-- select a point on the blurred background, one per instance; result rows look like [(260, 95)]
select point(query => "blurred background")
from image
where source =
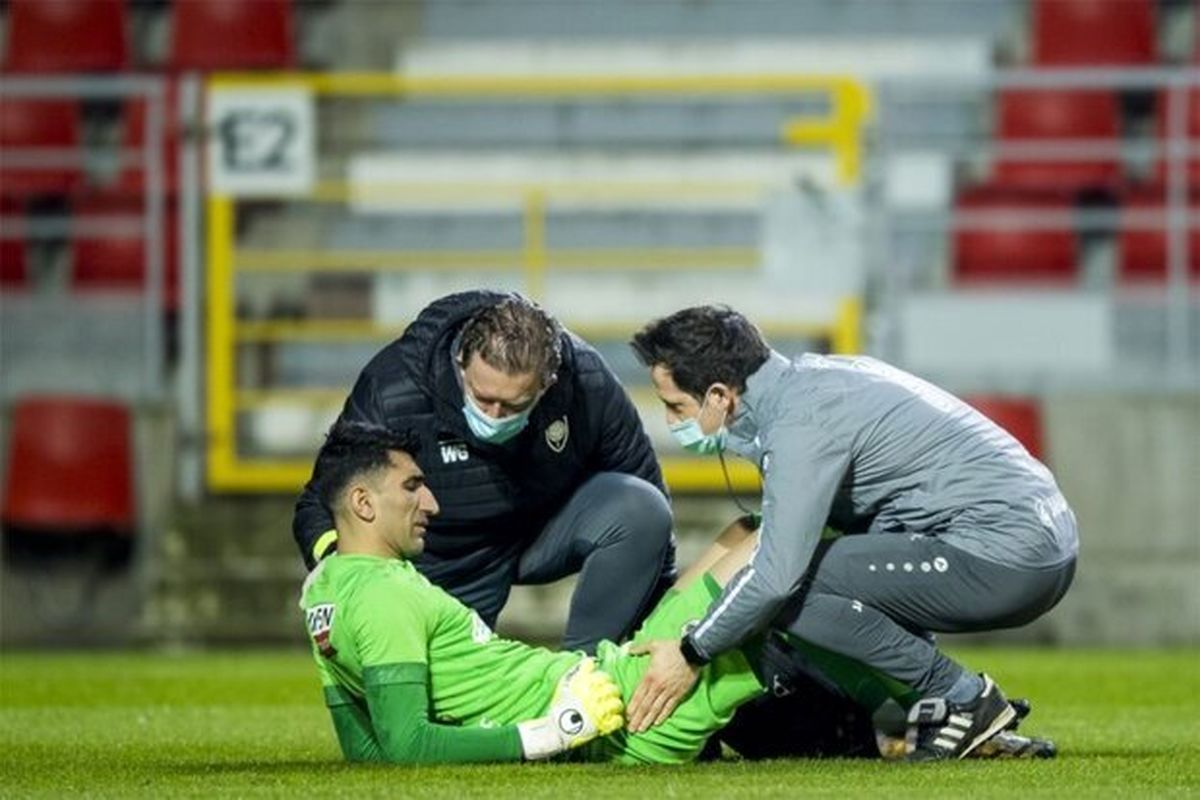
[(213, 212)]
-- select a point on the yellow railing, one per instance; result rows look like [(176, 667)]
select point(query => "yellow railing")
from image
[(840, 130), (228, 470)]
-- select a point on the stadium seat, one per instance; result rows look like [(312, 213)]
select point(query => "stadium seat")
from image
[(1006, 253), (232, 34), (1040, 116), (1143, 249), (119, 262), (70, 466), (37, 124), (1020, 416), (66, 36), (13, 268), (1094, 32), (133, 137)]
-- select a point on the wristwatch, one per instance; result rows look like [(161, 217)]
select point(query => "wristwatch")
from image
[(692, 654)]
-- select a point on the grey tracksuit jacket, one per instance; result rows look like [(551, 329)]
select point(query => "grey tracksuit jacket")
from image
[(868, 448)]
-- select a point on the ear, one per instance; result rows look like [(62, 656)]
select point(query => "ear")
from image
[(361, 503), (723, 395)]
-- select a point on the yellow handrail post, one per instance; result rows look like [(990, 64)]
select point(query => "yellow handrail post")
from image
[(847, 327), (535, 257), (222, 456)]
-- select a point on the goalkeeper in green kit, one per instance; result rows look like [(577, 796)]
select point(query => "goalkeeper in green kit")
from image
[(411, 675)]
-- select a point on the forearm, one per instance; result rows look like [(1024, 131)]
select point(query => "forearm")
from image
[(406, 735), (312, 527), (753, 596), (428, 743), (354, 734), (732, 547), (798, 491), (756, 594)]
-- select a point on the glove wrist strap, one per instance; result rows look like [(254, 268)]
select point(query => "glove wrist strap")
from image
[(540, 738)]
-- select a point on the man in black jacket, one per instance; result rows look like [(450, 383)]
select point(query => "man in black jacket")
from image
[(536, 455)]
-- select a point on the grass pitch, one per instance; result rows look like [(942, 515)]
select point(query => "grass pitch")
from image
[(251, 723)]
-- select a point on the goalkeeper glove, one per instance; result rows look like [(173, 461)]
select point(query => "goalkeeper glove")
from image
[(586, 704)]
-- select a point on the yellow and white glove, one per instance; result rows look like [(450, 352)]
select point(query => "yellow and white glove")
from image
[(587, 703)]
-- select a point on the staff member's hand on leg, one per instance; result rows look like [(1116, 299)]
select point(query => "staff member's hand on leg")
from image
[(666, 683)]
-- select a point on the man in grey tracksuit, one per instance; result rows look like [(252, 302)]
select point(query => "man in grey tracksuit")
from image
[(965, 530)]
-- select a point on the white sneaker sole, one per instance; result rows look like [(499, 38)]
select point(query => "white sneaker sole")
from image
[(1001, 722)]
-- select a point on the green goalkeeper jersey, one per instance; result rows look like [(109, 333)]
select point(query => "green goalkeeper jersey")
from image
[(393, 650)]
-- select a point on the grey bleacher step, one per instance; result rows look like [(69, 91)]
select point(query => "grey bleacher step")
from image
[(589, 122), (467, 230), (677, 19)]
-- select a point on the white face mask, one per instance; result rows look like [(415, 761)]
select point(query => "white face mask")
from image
[(692, 437)]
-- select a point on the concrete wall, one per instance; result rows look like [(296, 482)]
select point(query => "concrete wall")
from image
[(227, 570), (1130, 466)]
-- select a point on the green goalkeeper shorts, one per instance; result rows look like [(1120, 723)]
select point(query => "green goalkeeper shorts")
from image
[(724, 684)]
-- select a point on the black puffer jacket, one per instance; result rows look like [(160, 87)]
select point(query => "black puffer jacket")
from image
[(489, 494)]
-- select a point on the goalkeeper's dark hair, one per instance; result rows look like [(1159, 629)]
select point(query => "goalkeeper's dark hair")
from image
[(354, 448), (703, 345)]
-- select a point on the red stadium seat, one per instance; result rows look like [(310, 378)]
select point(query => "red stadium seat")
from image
[(1020, 416), (1035, 116), (37, 124), (13, 268), (1007, 253), (1094, 32), (1144, 248), (66, 36), (119, 262), (232, 34), (70, 466)]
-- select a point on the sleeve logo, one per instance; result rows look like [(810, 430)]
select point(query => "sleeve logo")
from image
[(320, 623)]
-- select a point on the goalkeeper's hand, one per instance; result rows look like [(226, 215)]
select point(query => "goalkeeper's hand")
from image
[(586, 704)]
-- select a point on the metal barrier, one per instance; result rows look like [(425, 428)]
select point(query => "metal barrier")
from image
[(27, 310), (897, 129), (230, 468)]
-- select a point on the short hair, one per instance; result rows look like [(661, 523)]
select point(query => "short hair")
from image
[(703, 345), (515, 336), (352, 449)]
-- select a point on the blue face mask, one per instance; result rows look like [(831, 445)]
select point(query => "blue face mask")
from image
[(494, 430), (692, 437)]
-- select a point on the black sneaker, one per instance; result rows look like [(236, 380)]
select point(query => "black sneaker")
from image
[(1021, 706), (939, 730), (1007, 744)]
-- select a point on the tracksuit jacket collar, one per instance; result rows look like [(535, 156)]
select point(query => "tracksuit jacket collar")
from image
[(759, 400)]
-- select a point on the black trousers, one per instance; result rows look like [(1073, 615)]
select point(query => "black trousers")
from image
[(615, 532)]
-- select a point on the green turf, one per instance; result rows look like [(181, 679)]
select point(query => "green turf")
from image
[(251, 723)]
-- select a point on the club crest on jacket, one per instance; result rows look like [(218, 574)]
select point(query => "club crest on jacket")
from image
[(557, 433)]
